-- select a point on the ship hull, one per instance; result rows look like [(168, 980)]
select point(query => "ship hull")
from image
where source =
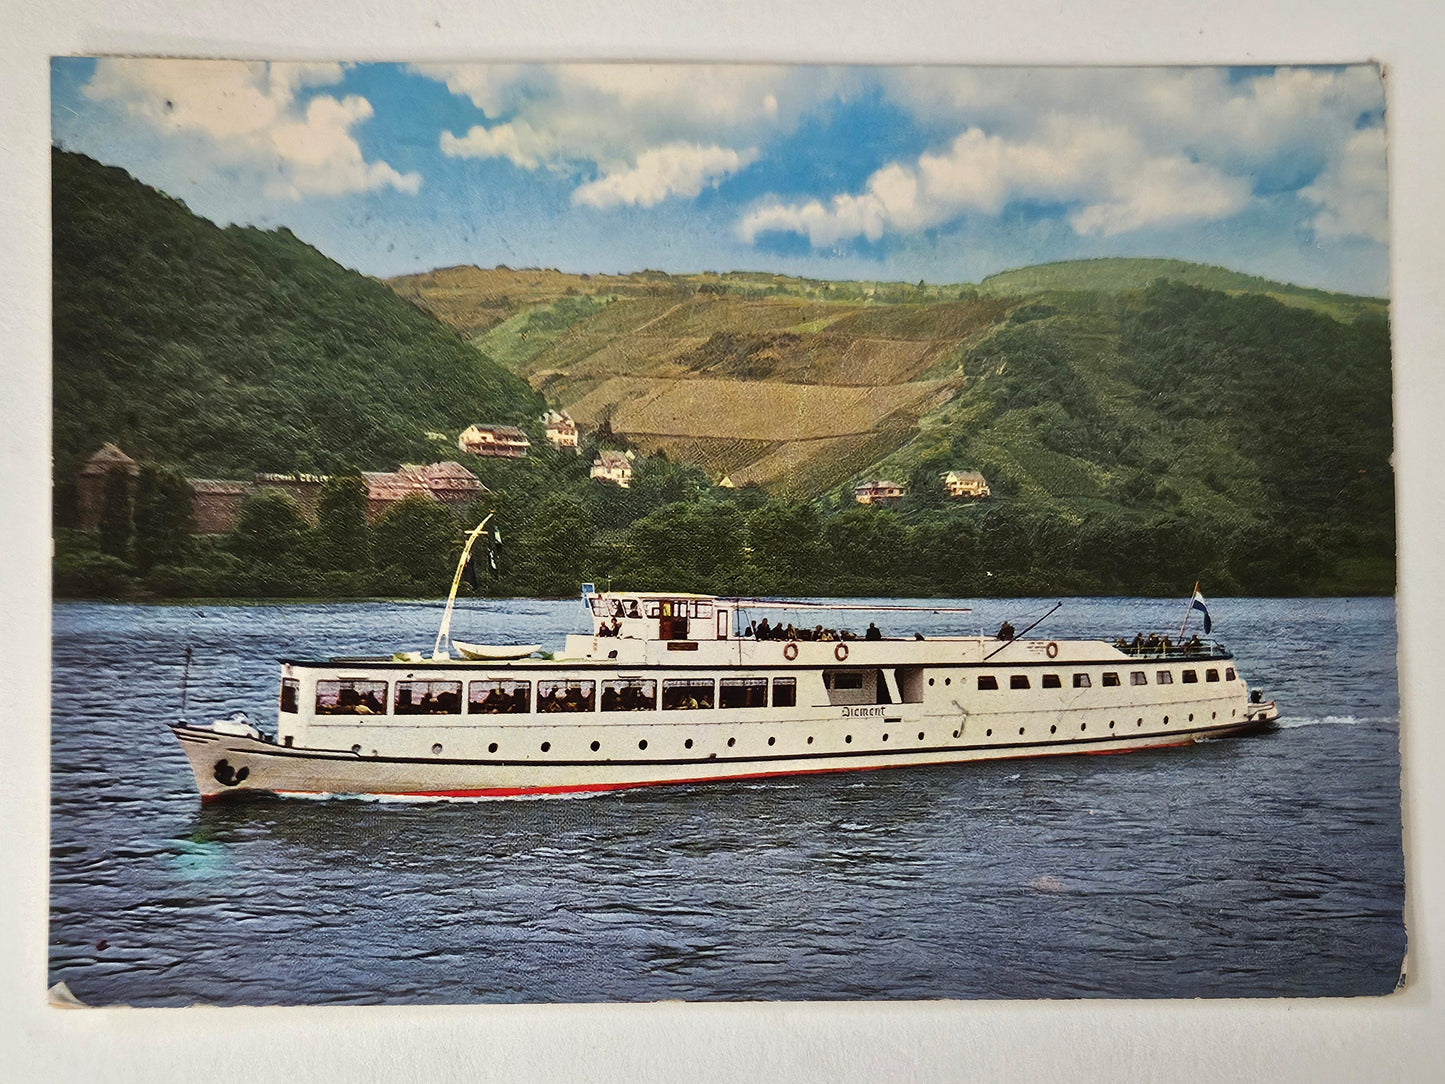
[(229, 766)]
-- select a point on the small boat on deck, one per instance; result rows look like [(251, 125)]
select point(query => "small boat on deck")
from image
[(495, 651)]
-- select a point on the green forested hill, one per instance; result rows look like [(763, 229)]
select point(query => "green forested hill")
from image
[(1109, 275), (232, 350), (1152, 407)]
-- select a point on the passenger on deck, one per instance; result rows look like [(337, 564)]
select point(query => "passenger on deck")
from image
[(873, 633), (1166, 645), (1151, 645), (1005, 631), (1194, 646), (1138, 645)]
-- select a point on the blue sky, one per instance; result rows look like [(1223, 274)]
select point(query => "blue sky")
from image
[(936, 173)]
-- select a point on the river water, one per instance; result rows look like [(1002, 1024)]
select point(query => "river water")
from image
[(1259, 866)]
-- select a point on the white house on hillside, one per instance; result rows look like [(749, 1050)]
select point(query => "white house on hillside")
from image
[(506, 441), (879, 492), (614, 467), (965, 483), (561, 430)]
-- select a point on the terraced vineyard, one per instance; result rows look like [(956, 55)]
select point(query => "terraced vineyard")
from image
[(791, 391)]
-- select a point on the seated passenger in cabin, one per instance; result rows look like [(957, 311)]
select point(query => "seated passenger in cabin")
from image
[(632, 610), (763, 630), (873, 632)]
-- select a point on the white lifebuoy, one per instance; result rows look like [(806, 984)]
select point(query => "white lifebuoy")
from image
[(1052, 650), (840, 652), (790, 652)]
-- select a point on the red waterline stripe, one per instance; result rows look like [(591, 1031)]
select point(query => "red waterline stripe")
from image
[(599, 788)]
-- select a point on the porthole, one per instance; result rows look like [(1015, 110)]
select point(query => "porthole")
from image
[(956, 733), (546, 746), (988, 733), (1214, 715), (687, 744), (492, 748), (948, 681), (1053, 730), (930, 681), (1191, 716), (1111, 724), (885, 737), (1166, 720), (1083, 726), (1021, 732), (732, 742), (1139, 722), (772, 741), (642, 744), (596, 746), (848, 739), (920, 735), (436, 749), (810, 739)]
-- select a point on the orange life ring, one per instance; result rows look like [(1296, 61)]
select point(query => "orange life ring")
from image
[(790, 652), (1052, 650), (840, 652)]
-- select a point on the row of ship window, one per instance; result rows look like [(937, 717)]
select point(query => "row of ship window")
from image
[(361, 697), (1109, 678)]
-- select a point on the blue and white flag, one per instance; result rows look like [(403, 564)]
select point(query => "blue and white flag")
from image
[(1198, 604)]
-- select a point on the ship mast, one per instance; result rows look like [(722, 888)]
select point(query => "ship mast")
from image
[(445, 632)]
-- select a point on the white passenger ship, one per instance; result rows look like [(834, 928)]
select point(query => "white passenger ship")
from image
[(666, 690)]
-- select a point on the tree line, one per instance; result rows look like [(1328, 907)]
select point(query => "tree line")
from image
[(671, 530)]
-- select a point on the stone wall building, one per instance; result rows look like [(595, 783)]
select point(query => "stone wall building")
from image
[(216, 502), (90, 485)]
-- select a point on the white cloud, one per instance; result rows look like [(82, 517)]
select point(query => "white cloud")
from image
[(1114, 181), (677, 169), (1124, 149), (248, 113), (1350, 193), (518, 142), (646, 128)]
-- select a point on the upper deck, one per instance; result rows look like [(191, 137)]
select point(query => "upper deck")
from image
[(679, 630)]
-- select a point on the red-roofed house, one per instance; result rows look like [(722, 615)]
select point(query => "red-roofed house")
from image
[(449, 482)]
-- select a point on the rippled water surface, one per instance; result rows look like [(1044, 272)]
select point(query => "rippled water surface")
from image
[(1266, 865)]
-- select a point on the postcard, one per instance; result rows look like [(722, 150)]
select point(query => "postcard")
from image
[(644, 532)]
